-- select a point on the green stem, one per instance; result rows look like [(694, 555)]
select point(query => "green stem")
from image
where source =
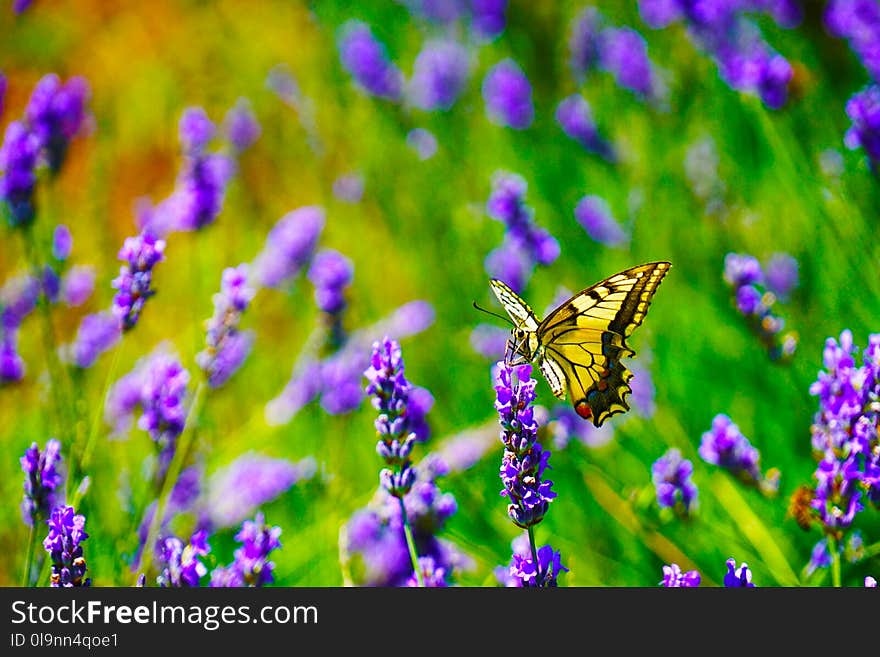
[(80, 465), (835, 562), (29, 557), (411, 544), (539, 576), (174, 469), (871, 550)]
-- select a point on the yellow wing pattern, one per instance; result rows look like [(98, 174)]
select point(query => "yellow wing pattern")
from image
[(584, 340)]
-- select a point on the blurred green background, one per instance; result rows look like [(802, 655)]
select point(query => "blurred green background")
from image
[(421, 232)]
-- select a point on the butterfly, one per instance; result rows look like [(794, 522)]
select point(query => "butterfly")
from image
[(579, 345)]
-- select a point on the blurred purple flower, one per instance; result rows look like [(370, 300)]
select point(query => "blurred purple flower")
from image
[(200, 191), (673, 577), (240, 126), (436, 11), (11, 363), (289, 246), (509, 263), (870, 582), (237, 490), (488, 18), (66, 533), (226, 345), (623, 52), (330, 273), (349, 187), (96, 334), (439, 75), (820, 557), (18, 161), (140, 254), (62, 242), (742, 269), (863, 110), (574, 116), (195, 130), (423, 142), (365, 58), (77, 285), (43, 482), (56, 112), (489, 340), (594, 215), (672, 480), (433, 575), (781, 273), (725, 446), (508, 96), (857, 21), (583, 42)]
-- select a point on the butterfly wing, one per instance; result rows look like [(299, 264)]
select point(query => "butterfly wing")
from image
[(584, 340), (520, 312)]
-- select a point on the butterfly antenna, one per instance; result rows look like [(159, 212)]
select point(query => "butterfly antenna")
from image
[(489, 312)]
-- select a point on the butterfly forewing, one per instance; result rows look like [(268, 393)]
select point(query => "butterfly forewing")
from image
[(520, 312), (585, 340)]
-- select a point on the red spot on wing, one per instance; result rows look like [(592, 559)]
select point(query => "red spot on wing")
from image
[(583, 409)]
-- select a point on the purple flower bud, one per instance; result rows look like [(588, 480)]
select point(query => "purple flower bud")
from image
[(863, 110), (574, 115), (241, 126), (62, 242), (488, 18), (781, 272), (66, 532), (289, 246), (423, 142), (543, 574), (18, 161), (725, 446), (672, 480), (583, 42), (96, 334), (349, 188), (196, 130), (181, 563), (251, 566), (737, 577), (330, 273), (365, 58), (56, 112), (508, 96), (439, 75), (43, 482), (133, 285), (593, 213)]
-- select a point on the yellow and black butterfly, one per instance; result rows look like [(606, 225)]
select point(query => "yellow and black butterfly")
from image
[(579, 345)]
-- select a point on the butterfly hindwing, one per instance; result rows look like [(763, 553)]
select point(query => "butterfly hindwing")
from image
[(585, 338)]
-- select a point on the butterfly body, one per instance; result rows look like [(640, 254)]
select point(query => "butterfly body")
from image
[(579, 345)]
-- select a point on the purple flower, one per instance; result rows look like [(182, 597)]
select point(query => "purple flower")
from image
[(542, 574), (672, 480), (863, 109), (624, 53), (133, 285), (289, 246), (857, 21), (96, 334), (66, 533), (443, 12), (240, 126), (18, 298), (488, 18), (742, 269), (251, 566), (56, 112), (593, 213), (737, 577), (508, 96), (820, 557), (235, 491), (673, 577), (330, 273), (524, 461), (180, 563), (226, 346), (163, 393), (725, 446), (200, 191), (11, 363), (77, 285), (195, 130), (43, 481), (439, 75), (433, 575), (489, 340), (18, 160), (423, 142), (583, 42), (574, 115), (870, 582), (390, 391), (62, 242), (781, 272), (365, 58), (349, 188)]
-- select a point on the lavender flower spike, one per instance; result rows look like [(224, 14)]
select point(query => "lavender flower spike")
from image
[(390, 390), (66, 532), (43, 481), (525, 461), (133, 285), (227, 346), (574, 116), (56, 112), (96, 334), (289, 246), (18, 161), (863, 109), (725, 446), (241, 126), (439, 75), (251, 566)]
